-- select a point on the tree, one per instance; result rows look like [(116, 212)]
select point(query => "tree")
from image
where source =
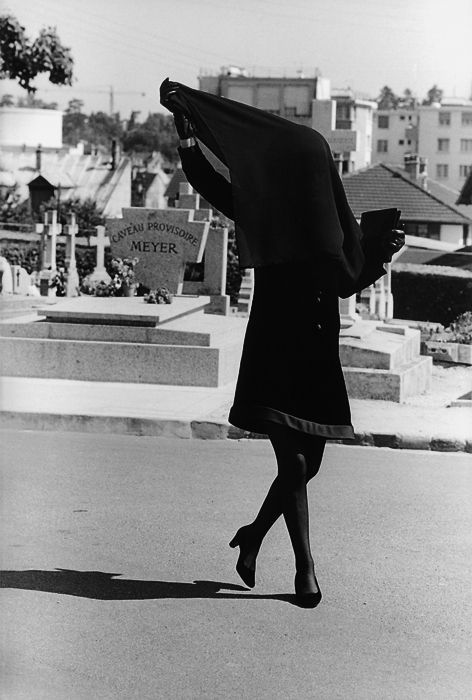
[(74, 106), (157, 133), (408, 100), (387, 99), (7, 101), (87, 214), (23, 60), (434, 94), (31, 101)]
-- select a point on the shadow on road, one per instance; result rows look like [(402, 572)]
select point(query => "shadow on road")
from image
[(103, 586)]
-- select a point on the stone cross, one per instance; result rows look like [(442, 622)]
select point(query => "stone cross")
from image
[(101, 242), (71, 230), (161, 241), (49, 231), (324, 121)]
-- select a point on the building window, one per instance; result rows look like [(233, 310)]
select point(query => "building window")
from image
[(466, 118), (409, 117), (401, 142), (382, 146), (443, 145), (466, 145), (465, 170), (444, 119), (402, 117), (383, 121), (409, 142), (442, 171)]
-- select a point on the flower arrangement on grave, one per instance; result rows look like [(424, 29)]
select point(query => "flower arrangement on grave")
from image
[(58, 282), (123, 272), (161, 295), (97, 289)]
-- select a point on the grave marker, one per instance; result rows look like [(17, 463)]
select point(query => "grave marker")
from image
[(21, 280), (162, 241), (101, 242), (6, 278), (49, 231), (71, 229)]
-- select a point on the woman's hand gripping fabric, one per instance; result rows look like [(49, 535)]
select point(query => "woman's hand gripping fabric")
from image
[(172, 100)]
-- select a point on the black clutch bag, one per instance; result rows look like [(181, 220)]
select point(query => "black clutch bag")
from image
[(377, 222)]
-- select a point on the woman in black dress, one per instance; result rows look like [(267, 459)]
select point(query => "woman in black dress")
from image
[(290, 384)]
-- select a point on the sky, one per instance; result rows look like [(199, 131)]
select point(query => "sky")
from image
[(364, 44)]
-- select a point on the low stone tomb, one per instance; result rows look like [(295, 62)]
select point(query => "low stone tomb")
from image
[(161, 241)]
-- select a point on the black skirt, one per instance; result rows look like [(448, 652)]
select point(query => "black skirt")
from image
[(290, 373)]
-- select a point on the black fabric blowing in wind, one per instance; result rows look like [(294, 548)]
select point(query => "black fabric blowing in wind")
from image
[(288, 198)]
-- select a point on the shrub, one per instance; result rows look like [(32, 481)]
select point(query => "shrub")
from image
[(459, 331), (431, 293)]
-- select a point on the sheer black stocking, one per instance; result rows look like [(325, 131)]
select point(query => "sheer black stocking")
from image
[(298, 459)]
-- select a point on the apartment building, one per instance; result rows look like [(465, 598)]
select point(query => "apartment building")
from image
[(395, 134), (288, 97), (294, 98), (440, 133), (445, 138)]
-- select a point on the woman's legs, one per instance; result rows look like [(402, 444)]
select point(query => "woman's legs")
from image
[(293, 474), (312, 448), (298, 458)]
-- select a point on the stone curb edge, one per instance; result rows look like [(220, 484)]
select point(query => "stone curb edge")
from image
[(206, 430)]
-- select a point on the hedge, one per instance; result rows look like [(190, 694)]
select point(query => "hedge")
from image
[(431, 292)]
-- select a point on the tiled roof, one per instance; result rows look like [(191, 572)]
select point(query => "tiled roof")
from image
[(445, 194), (381, 186), (465, 196), (82, 176)]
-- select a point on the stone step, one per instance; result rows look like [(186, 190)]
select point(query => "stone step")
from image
[(381, 348), (150, 363), (410, 379), (197, 330)]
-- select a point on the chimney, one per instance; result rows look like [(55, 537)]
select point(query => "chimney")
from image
[(39, 154), (416, 168)]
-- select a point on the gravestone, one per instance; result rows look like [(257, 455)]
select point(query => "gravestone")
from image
[(246, 291), (72, 286), (161, 241), (49, 231), (216, 255), (6, 276), (21, 280)]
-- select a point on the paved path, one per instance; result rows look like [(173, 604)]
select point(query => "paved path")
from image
[(425, 422), (120, 583)]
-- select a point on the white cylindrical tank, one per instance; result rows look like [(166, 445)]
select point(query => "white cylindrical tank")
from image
[(30, 127)]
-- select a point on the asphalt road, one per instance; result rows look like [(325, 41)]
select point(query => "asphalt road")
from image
[(118, 581)]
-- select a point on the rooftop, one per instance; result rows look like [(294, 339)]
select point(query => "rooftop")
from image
[(381, 186), (82, 176)]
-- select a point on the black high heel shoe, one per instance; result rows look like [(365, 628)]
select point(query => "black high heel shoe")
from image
[(307, 599), (247, 574)]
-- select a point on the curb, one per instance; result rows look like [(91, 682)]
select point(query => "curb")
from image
[(207, 430)]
